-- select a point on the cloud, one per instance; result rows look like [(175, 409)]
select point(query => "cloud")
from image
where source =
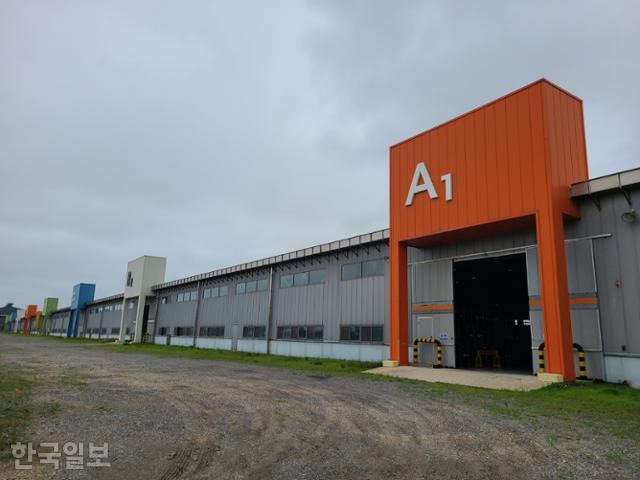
[(217, 133)]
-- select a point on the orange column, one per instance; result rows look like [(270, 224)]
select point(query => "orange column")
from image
[(399, 314), (554, 290)]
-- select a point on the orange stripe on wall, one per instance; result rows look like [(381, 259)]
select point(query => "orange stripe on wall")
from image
[(572, 301), (430, 308), (583, 301)]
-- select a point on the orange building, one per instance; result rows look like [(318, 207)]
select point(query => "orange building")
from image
[(503, 167), (29, 317)]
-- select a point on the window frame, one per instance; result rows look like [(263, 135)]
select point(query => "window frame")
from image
[(376, 273), (301, 275), (316, 281), (346, 266), (287, 284)]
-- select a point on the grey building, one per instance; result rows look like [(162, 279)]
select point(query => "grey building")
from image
[(332, 300)]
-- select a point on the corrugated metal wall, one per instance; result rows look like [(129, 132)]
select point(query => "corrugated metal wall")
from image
[(583, 297), (59, 322), (362, 301), (617, 265)]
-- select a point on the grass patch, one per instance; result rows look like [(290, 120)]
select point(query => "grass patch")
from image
[(580, 406), (15, 392), (321, 365)]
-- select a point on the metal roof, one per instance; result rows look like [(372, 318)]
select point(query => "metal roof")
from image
[(615, 181), (61, 310), (117, 296), (358, 240)]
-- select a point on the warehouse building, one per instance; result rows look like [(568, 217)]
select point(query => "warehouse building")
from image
[(501, 252)]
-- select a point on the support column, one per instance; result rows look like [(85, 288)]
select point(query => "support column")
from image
[(137, 334), (123, 317), (554, 289), (399, 313), (100, 324), (196, 319), (70, 325)]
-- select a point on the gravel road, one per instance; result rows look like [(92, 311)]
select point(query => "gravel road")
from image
[(178, 418)]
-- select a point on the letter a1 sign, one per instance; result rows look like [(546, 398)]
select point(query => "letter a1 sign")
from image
[(422, 183)]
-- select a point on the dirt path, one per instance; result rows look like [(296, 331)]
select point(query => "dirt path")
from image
[(173, 418)]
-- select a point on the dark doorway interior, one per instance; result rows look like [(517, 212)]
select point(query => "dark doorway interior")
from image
[(491, 308), (145, 319)]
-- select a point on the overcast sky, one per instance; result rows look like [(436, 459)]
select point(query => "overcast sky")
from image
[(215, 133)]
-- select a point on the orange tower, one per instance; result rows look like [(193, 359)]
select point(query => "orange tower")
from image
[(500, 167)]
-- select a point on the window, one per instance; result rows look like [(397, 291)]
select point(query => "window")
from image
[(351, 271), (115, 331), (373, 268), (103, 331), (317, 276), (162, 331), (365, 334), (99, 309), (131, 305), (252, 331), (224, 291), (211, 292), (263, 284), (286, 281), (183, 331), (251, 286), (118, 307), (212, 331), (194, 296), (315, 332), (376, 333), (311, 332), (166, 300), (301, 278), (355, 333), (241, 288), (180, 297)]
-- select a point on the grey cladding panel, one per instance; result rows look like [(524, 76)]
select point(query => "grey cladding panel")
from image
[(580, 267), (533, 279), (360, 301), (474, 246), (584, 327), (432, 282), (618, 275)]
